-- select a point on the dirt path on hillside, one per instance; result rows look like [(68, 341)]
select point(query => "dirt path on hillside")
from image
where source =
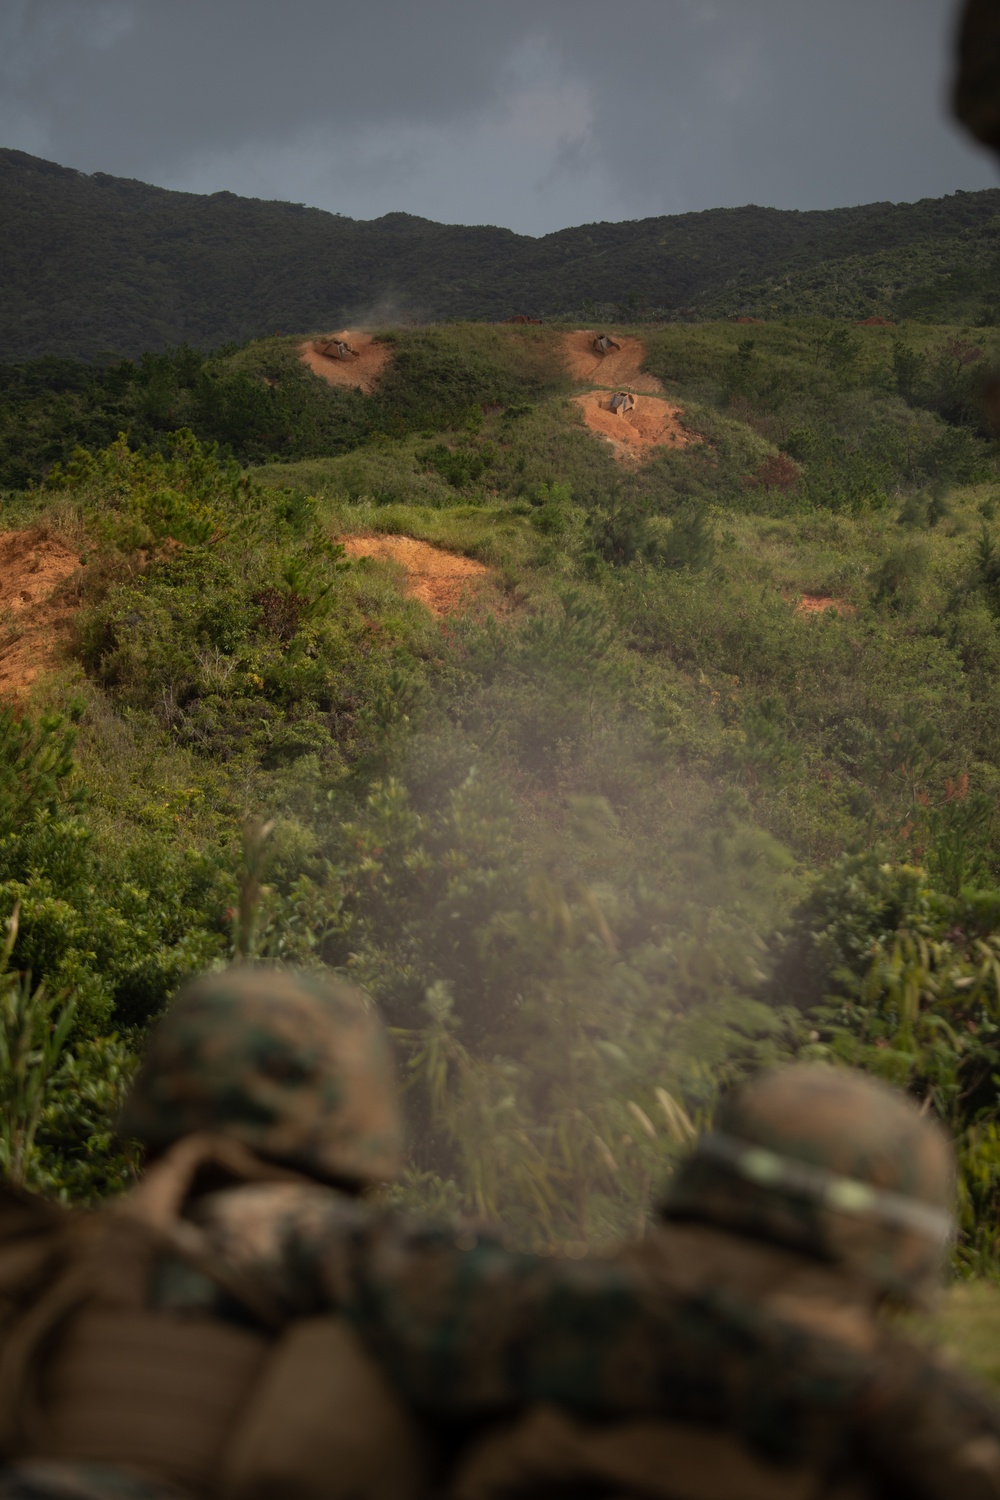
[(652, 423), (818, 604), (621, 367), (445, 582), (32, 617), (361, 372)]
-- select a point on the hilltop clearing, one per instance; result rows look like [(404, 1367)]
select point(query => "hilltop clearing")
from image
[(360, 369), (619, 367), (652, 423), (614, 363)]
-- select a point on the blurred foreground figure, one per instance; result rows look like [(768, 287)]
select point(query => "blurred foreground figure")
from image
[(821, 1195), (976, 98), (977, 83), (243, 1325)]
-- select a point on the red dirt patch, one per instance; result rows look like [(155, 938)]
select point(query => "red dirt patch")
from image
[(361, 372), (652, 423), (619, 368), (875, 323), (818, 604), (445, 581), (32, 566)]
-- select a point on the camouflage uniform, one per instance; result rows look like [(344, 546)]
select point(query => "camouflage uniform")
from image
[(821, 1194), (265, 1105)]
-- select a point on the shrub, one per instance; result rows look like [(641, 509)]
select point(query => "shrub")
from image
[(900, 575), (777, 472)]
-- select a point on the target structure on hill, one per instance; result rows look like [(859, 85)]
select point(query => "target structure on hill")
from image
[(351, 358), (621, 402), (624, 405)]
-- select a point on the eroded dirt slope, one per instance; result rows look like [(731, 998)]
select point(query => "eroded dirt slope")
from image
[(361, 373), (33, 617), (652, 423), (445, 581), (818, 604), (622, 367)]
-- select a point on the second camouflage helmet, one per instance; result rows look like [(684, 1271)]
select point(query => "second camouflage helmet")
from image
[(834, 1163), (293, 1065)]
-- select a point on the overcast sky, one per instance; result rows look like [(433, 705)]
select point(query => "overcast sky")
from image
[(533, 115)]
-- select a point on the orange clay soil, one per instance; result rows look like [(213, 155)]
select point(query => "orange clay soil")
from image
[(444, 581), (619, 368), (32, 618), (362, 372), (652, 423), (818, 604)]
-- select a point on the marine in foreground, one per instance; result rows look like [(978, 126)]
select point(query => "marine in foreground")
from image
[(245, 1324), (821, 1197)]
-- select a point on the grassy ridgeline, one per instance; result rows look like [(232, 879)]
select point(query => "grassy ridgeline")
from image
[(630, 827)]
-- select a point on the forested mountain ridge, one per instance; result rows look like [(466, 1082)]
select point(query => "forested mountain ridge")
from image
[(98, 264)]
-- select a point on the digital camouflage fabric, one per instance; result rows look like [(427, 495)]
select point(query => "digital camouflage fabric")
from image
[(833, 1163), (977, 83), (295, 1066)]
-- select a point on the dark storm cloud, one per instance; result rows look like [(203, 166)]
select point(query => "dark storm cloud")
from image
[(530, 114)]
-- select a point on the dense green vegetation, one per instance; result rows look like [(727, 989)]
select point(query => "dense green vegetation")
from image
[(943, 278), (625, 828), (258, 402), (98, 266)]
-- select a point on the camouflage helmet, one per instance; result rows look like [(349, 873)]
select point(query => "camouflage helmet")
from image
[(977, 81), (293, 1065), (833, 1163)]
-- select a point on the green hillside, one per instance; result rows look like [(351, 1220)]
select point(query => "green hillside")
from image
[(97, 264), (632, 822)]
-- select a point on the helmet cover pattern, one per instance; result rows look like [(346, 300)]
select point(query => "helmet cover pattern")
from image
[(834, 1163), (294, 1065)]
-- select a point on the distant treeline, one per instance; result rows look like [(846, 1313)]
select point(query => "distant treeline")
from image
[(98, 265)]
